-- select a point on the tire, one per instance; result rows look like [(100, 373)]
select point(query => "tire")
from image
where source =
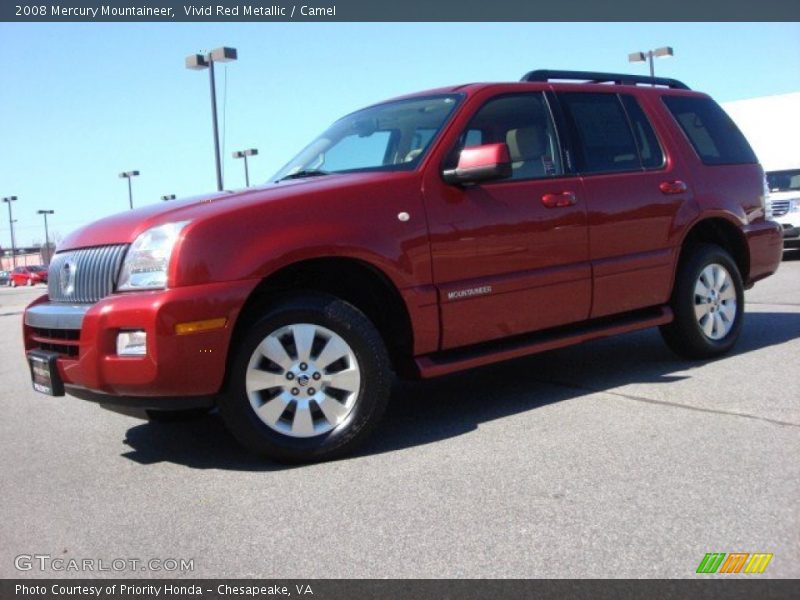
[(708, 304), (277, 409), (175, 416)]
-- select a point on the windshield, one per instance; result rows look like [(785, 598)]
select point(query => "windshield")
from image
[(784, 181), (388, 137)]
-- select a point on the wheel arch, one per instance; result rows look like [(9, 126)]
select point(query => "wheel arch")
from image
[(353, 280), (723, 232)]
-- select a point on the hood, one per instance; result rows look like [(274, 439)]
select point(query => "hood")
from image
[(123, 228)]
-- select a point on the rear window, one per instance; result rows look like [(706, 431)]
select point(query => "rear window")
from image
[(714, 135), (649, 150), (606, 143)]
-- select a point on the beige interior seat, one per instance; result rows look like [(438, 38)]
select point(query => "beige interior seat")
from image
[(527, 146)]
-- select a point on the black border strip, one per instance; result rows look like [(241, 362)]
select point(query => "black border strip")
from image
[(401, 10), (414, 589)]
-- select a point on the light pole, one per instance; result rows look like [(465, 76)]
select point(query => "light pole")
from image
[(8, 200), (44, 213), (167, 197), (648, 56), (127, 175), (244, 154), (206, 61)]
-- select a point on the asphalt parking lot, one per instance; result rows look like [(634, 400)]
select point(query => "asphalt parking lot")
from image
[(611, 459)]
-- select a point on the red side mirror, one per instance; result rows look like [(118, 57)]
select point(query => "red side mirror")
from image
[(480, 163)]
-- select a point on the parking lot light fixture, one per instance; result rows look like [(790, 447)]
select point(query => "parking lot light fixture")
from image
[(8, 200), (127, 175), (244, 154), (44, 213), (663, 52), (197, 62), (168, 197)]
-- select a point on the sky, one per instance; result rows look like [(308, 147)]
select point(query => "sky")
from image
[(79, 103)]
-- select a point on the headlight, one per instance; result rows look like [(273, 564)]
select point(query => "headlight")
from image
[(147, 260)]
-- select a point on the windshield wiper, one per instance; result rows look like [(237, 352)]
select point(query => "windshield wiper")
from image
[(304, 173)]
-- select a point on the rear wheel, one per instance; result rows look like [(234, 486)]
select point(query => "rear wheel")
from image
[(308, 381), (708, 303)]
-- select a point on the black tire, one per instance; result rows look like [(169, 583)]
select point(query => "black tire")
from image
[(684, 335), (175, 416), (372, 358)]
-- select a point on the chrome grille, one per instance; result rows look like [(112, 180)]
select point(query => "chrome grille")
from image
[(779, 207), (95, 274)]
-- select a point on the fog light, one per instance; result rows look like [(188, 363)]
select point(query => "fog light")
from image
[(132, 343)]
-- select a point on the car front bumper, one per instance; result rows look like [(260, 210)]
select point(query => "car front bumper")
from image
[(175, 368), (791, 229)]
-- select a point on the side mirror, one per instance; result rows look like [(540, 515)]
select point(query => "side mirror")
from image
[(480, 163)]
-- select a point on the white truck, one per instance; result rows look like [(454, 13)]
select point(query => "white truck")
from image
[(772, 126)]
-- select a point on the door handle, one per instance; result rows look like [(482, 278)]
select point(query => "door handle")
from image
[(673, 187), (559, 199)]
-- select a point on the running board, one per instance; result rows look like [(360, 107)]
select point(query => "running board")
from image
[(442, 363)]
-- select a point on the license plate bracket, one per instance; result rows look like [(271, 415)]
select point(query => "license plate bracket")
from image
[(44, 373)]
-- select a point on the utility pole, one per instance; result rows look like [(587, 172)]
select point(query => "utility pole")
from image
[(8, 200), (44, 213)]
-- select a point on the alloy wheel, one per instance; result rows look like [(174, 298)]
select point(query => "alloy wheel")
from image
[(303, 380), (715, 303)]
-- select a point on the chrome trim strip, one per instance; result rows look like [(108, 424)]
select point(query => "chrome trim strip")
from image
[(56, 316)]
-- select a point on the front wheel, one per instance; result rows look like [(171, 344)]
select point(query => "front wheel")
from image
[(308, 382), (708, 303)]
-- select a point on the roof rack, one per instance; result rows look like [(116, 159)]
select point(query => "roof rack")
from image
[(593, 77)]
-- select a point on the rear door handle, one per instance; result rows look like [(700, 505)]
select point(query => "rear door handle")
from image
[(559, 199), (673, 187)]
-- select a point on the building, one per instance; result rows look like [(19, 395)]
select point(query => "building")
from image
[(772, 126)]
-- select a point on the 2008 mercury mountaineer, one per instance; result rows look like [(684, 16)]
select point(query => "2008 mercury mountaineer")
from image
[(425, 235)]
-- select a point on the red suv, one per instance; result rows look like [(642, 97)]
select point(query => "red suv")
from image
[(29, 275), (422, 236)]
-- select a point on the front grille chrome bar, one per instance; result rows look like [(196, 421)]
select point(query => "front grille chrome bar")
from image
[(86, 275)]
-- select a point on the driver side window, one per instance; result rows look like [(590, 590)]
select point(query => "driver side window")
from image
[(523, 123)]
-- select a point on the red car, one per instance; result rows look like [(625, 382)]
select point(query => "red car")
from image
[(422, 236), (29, 275)]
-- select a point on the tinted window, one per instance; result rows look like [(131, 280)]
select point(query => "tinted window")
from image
[(523, 123), (605, 142), (646, 141), (784, 181), (715, 137), (473, 138)]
